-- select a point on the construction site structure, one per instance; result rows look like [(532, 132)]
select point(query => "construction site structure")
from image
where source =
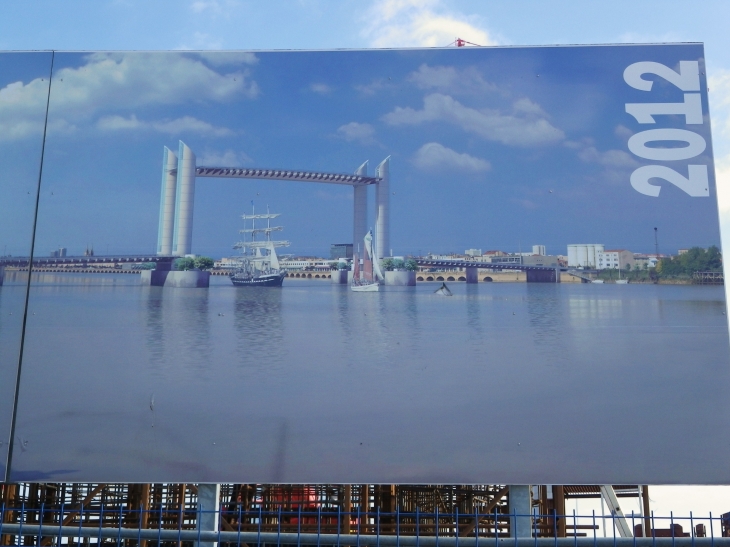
[(362, 509)]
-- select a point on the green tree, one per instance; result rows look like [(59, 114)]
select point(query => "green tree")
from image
[(387, 264), (203, 263), (411, 265), (185, 263), (398, 264)]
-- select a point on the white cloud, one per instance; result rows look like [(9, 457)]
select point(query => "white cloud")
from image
[(186, 124), (214, 7), (228, 158), (117, 81), (322, 89), (373, 87), (409, 23), (614, 159), (364, 133), (450, 79), (623, 132), (719, 95), (516, 129), (433, 155), (224, 58)]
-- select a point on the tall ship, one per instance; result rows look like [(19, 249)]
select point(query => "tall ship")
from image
[(258, 264)]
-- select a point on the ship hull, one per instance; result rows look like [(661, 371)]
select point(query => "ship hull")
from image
[(268, 280), (368, 287)]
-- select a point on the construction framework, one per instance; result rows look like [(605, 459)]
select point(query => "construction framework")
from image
[(443, 511)]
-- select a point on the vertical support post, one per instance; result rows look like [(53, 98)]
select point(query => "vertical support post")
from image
[(2, 275), (346, 509), (144, 509), (557, 274), (520, 523), (167, 203), (382, 216), (559, 504), (208, 510), (647, 511), (185, 194), (360, 213), (472, 274)]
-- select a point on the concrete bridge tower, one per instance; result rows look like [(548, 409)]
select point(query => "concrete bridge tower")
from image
[(183, 237), (360, 213), (382, 215), (167, 203)]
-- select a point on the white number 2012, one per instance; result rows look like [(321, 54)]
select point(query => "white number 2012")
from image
[(687, 80)]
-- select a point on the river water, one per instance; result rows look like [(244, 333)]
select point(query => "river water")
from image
[(500, 383)]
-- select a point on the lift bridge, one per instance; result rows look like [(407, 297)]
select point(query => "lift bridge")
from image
[(180, 171)]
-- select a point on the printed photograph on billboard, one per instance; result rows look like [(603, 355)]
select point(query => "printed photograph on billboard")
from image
[(24, 79), (460, 265)]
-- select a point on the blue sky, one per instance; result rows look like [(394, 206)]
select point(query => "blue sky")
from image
[(313, 24), (319, 24), (486, 152)]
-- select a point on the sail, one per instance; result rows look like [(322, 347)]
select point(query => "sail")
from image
[(369, 248), (264, 216), (378, 271), (261, 230), (273, 259), (355, 269)]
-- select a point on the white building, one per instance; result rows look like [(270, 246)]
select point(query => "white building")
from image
[(583, 255), (473, 252), (614, 259), (538, 250)]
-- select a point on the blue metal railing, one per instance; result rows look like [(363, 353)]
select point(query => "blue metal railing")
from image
[(175, 526)]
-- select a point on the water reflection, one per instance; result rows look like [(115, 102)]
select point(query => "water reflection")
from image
[(547, 323), (259, 329), (587, 308), (177, 329), (155, 331)]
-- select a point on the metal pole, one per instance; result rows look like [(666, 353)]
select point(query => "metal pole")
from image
[(208, 510), (520, 525)]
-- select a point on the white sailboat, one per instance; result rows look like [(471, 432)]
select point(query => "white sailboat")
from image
[(367, 280)]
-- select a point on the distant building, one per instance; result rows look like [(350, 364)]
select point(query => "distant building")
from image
[(680, 252), (473, 252), (507, 259), (614, 259), (494, 253), (583, 255), (541, 260), (305, 264), (340, 250), (538, 250), (643, 261), (59, 253)]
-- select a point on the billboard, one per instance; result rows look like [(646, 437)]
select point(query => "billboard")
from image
[(544, 221)]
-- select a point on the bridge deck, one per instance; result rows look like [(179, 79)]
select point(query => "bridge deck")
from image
[(482, 265), (284, 174), (52, 261)]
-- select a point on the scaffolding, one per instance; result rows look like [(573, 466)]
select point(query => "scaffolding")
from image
[(442, 511)]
